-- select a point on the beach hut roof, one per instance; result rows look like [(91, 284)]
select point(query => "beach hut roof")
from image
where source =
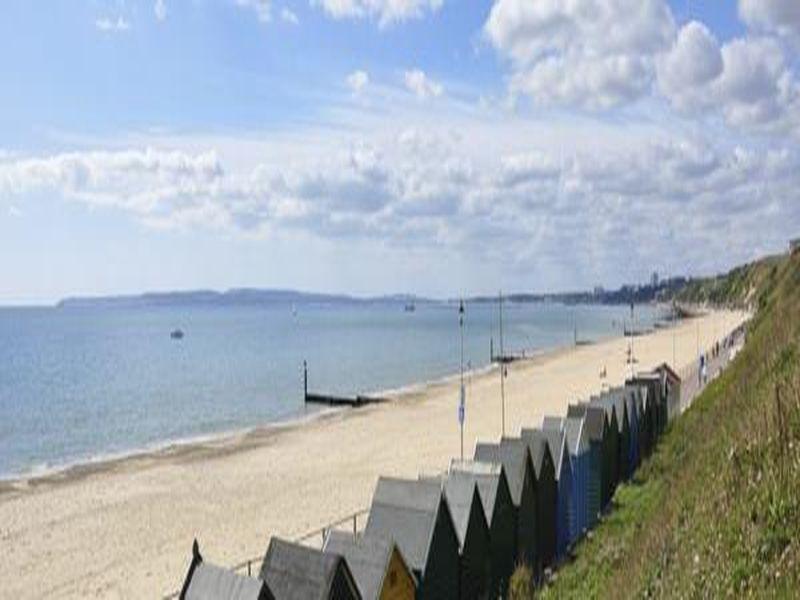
[(512, 453), (556, 423), (205, 581), (577, 439), (616, 397), (461, 494), (294, 571), (647, 375), (488, 476), (407, 511), (537, 444), (367, 556), (557, 442), (665, 368), (593, 416), (210, 582)]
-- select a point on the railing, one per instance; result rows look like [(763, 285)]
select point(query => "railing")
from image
[(247, 565)]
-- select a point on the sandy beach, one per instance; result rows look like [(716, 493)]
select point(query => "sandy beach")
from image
[(124, 528)]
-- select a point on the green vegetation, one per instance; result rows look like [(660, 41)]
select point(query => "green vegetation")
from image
[(715, 512)]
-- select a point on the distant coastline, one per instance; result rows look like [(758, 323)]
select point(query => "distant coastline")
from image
[(656, 291), (232, 297)]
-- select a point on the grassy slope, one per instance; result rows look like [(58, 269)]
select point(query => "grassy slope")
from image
[(716, 510), (739, 287)]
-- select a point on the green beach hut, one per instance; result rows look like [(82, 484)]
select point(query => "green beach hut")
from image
[(490, 479)]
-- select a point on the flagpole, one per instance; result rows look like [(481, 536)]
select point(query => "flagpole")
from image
[(502, 371), (461, 407)]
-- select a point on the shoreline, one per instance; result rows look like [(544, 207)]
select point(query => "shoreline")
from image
[(223, 443)]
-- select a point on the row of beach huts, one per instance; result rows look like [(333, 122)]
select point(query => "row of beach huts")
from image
[(522, 500)]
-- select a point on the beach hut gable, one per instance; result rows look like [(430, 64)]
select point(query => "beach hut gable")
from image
[(295, 572), (210, 582)]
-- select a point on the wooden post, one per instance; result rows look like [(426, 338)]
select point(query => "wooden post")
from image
[(305, 381)]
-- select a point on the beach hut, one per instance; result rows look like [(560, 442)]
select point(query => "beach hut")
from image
[(671, 383), (580, 458), (595, 429), (378, 566), (205, 581), (617, 397), (546, 494), (557, 443), (611, 452), (652, 381), (416, 516), (631, 396), (472, 528), (513, 454), (500, 514), (295, 572)]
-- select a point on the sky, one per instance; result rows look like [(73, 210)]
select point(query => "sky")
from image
[(437, 147)]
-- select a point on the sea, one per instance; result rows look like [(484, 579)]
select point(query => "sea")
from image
[(83, 384)]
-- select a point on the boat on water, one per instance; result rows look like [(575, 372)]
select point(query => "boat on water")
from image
[(410, 307), (176, 334)]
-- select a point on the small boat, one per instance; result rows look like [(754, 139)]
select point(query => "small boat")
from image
[(176, 334), (410, 307)]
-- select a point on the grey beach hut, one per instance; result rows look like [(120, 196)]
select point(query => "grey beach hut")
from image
[(205, 581), (546, 494), (296, 572), (513, 454), (377, 565), (416, 516)]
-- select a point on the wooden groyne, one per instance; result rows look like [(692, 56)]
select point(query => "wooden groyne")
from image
[(334, 400), (353, 401)]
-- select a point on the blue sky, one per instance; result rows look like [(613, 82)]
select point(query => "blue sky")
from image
[(430, 146)]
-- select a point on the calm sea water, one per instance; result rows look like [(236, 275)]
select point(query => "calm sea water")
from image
[(78, 384)]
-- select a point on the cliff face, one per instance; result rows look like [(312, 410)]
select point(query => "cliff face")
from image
[(741, 287)]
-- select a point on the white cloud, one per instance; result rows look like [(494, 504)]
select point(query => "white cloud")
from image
[(160, 9), (357, 81), (694, 61), (774, 16), (746, 80), (288, 16), (385, 11), (420, 84), (109, 25), (423, 187), (261, 8), (594, 54)]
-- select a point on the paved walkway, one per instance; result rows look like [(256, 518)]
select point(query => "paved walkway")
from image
[(690, 381)]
